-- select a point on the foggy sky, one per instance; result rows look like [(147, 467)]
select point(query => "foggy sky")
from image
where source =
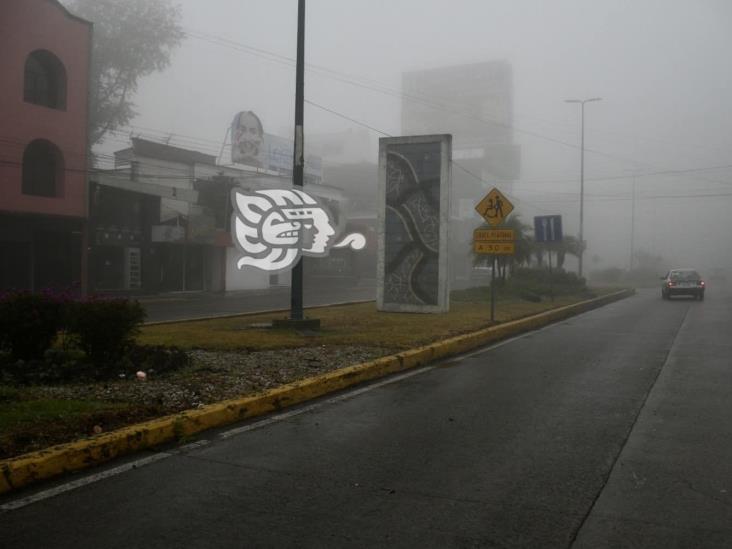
[(662, 68)]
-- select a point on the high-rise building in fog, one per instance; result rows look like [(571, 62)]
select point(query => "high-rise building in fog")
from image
[(474, 103)]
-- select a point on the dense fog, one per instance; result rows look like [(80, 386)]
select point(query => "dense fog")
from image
[(659, 66)]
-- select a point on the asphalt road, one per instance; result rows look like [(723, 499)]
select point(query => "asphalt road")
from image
[(610, 429), (318, 291)]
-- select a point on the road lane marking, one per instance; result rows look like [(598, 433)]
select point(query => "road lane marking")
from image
[(672, 349), (305, 409), (52, 492), (356, 392), (74, 484), (505, 342)]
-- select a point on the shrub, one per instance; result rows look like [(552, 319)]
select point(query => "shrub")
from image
[(541, 282), (541, 277), (30, 322), (105, 328), (158, 358)]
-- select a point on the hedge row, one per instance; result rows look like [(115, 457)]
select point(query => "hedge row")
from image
[(103, 328)]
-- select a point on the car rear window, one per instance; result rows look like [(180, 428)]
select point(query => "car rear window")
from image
[(684, 275)]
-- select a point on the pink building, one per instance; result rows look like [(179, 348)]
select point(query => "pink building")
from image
[(44, 74)]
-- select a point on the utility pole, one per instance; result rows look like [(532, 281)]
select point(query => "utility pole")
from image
[(582, 176), (296, 288), (632, 226), (297, 318)]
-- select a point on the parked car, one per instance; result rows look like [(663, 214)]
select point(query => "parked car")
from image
[(682, 282)]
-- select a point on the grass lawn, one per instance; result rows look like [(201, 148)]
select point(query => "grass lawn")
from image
[(28, 423), (358, 324), (235, 356)]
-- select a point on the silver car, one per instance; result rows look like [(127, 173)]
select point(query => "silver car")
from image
[(682, 282)]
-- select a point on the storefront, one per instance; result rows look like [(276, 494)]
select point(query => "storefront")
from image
[(40, 252), (120, 250)]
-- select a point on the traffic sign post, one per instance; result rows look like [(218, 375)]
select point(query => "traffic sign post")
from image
[(494, 208), (548, 229), (493, 288)]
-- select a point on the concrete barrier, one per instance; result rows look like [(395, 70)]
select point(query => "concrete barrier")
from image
[(64, 458)]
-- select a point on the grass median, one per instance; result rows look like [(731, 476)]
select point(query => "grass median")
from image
[(232, 357)]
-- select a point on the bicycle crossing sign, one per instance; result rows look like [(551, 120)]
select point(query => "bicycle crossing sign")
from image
[(494, 207)]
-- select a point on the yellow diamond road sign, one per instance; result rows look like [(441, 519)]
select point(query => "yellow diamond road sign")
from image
[(494, 207)]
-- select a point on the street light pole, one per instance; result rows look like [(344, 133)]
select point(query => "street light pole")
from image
[(582, 175)]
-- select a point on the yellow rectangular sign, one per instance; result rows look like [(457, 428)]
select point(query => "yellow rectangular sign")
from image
[(494, 248), (493, 235)]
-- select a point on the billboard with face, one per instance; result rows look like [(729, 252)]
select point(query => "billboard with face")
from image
[(247, 140)]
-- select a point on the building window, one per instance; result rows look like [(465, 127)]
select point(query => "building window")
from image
[(45, 80), (43, 169)]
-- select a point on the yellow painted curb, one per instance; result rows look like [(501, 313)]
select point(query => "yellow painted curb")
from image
[(64, 458)]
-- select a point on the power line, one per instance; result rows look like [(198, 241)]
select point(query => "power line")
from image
[(640, 174), (341, 115), (185, 173), (419, 98), (607, 198), (454, 163)]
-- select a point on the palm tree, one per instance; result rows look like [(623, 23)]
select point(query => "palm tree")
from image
[(569, 245)]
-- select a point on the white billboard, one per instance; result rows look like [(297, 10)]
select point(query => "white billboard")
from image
[(252, 147), (247, 140)]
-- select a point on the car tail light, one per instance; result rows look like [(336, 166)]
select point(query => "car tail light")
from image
[(670, 284), (701, 283)]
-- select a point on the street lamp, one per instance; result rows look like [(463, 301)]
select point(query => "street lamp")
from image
[(582, 175)]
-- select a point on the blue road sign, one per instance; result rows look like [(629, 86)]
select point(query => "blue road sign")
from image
[(548, 228)]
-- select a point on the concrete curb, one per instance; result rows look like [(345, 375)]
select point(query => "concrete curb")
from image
[(63, 458)]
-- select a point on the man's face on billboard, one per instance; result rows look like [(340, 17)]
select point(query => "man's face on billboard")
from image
[(248, 136)]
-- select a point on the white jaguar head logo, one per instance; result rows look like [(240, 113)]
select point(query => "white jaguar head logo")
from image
[(272, 228)]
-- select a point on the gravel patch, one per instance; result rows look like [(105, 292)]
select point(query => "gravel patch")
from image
[(215, 376)]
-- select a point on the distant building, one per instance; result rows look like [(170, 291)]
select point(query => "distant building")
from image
[(349, 163), (474, 103), (155, 225), (44, 68), (160, 222)]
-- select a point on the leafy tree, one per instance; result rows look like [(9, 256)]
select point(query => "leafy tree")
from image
[(132, 39)]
